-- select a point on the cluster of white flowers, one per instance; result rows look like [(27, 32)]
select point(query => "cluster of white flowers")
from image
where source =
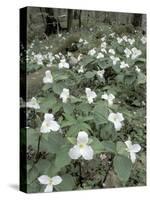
[(134, 53), (84, 42), (100, 73), (124, 65), (100, 55)]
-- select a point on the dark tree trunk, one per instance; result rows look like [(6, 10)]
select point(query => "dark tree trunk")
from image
[(137, 20), (80, 12), (69, 19)]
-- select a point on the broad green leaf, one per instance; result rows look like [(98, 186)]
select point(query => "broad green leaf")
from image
[(62, 157), (32, 137), (47, 102), (141, 78), (100, 113), (53, 143), (96, 145), (68, 108), (89, 75), (123, 167), (109, 146), (68, 183), (58, 87), (121, 149)]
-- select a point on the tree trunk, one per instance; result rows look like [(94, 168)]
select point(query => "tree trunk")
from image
[(137, 20), (69, 19), (80, 12)]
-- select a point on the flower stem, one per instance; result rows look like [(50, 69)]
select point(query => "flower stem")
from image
[(80, 173)]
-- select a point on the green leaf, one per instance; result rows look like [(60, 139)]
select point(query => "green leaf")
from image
[(68, 108), (68, 183), (32, 137), (47, 102), (52, 144), (96, 145), (121, 149), (89, 75), (58, 87), (62, 157), (32, 175), (46, 87), (123, 167), (43, 166), (100, 113), (141, 78), (109, 146)]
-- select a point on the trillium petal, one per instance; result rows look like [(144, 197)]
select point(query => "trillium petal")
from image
[(56, 180), (128, 144), (74, 152), (54, 126), (136, 148), (44, 128), (133, 157), (49, 188), (87, 152), (120, 116), (44, 179), (48, 116), (117, 125), (82, 138)]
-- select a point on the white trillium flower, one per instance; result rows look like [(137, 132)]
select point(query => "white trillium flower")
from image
[(111, 51), (63, 64), (49, 182), (33, 103), (92, 52), (80, 56), (48, 78), (132, 149), (49, 124), (103, 38), (137, 69), (100, 73), (81, 40), (115, 59), (100, 55), (103, 50), (108, 97), (124, 65), (103, 45), (64, 95), (81, 70), (127, 52), (143, 40), (85, 42), (119, 40), (82, 148), (135, 53), (116, 119), (90, 95), (125, 38), (131, 41)]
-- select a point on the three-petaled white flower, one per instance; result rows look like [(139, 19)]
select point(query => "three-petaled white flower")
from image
[(103, 45), (108, 97), (63, 64), (33, 103), (116, 119), (135, 53), (49, 182), (92, 52), (123, 65), (64, 95), (119, 40), (143, 40), (132, 149), (81, 70), (125, 38), (100, 73), (100, 55), (127, 52), (115, 59), (131, 41), (49, 124), (48, 78), (90, 95), (82, 148), (112, 51), (137, 69)]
